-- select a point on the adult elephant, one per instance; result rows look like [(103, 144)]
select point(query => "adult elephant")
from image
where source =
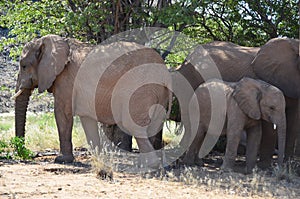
[(113, 132), (52, 63), (276, 62)]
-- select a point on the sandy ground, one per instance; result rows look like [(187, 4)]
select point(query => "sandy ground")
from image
[(58, 181), (42, 178)]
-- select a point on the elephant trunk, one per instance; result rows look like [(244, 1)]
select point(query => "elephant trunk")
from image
[(281, 132), (21, 104)]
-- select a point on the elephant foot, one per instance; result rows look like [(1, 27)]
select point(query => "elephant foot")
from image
[(62, 159), (149, 160), (188, 161), (248, 170), (297, 150), (228, 165), (199, 162), (264, 165), (227, 169)]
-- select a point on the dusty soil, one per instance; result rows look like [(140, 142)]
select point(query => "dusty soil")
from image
[(41, 178), (48, 180)]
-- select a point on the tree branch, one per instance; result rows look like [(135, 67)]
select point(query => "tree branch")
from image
[(72, 5)]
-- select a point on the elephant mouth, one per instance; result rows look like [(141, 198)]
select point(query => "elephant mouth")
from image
[(17, 94), (29, 84)]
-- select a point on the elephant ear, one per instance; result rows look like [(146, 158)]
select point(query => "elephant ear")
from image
[(53, 56), (247, 95), (277, 62)]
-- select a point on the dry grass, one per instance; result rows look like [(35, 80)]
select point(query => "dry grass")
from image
[(266, 184), (41, 131), (258, 184), (42, 134)]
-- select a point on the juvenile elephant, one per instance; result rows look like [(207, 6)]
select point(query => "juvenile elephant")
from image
[(249, 102), (276, 62), (54, 63)]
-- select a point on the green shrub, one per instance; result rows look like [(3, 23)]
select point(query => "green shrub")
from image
[(15, 149), (4, 150), (20, 151)]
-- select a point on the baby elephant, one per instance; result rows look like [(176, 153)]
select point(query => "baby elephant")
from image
[(249, 102)]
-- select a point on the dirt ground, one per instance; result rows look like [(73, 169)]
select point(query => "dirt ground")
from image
[(58, 181), (42, 178)]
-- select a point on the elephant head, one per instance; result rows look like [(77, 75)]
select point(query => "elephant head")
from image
[(260, 100), (41, 61)]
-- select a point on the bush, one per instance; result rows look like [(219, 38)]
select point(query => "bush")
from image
[(15, 149)]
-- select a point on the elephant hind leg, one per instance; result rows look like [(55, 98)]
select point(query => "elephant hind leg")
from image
[(191, 156), (157, 140), (90, 127), (148, 156)]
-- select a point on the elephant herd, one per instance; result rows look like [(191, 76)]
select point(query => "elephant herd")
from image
[(244, 89)]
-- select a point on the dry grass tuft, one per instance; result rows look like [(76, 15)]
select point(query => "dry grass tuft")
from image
[(102, 160), (259, 183), (102, 170)]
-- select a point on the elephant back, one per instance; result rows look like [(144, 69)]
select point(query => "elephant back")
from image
[(213, 88), (231, 61), (277, 63), (100, 72)]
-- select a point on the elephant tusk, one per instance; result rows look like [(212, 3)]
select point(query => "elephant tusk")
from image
[(17, 94)]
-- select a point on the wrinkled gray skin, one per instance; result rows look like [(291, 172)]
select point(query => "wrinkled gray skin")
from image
[(276, 62), (51, 63), (249, 102)]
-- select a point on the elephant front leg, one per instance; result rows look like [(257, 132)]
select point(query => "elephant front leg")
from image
[(254, 135), (64, 121), (267, 145), (234, 133), (233, 140)]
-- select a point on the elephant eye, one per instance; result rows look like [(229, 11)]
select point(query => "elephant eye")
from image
[(23, 66), (272, 108)]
